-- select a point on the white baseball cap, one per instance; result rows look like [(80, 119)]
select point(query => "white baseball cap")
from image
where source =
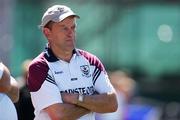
[(56, 13)]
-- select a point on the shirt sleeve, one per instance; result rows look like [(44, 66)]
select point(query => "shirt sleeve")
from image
[(41, 84), (100, 78), (103, 84), (47, 95)]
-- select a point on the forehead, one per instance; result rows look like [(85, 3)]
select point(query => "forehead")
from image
[(67, 21)]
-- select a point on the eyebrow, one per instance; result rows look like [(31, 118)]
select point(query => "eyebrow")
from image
[(62, 25)]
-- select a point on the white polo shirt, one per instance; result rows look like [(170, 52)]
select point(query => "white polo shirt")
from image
[(49, 76), (7, 108)]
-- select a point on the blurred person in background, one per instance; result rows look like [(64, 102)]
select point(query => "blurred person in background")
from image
[(67, 83), (125, 88), (9, 94), (131, 105), (24, 106)]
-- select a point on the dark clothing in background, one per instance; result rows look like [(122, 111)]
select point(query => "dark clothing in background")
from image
[(25, 109)]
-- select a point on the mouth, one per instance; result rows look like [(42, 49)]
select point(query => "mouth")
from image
[(70, 39)]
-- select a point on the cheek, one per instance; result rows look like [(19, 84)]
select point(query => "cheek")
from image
[(60, 36), (56, 35)]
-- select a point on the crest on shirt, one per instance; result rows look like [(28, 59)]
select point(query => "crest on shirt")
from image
[(85, 70)]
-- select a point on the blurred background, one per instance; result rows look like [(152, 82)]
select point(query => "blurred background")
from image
[(140, 37)]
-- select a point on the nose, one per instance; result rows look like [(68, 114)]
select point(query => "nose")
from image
[(70, 33)]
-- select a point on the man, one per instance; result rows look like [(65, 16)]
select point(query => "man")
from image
[(66, 83), (9, 93)]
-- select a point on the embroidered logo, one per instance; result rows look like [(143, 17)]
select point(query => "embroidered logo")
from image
[(85, 70), (58, 72)]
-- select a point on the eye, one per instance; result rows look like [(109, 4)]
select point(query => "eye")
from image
[(73, 27), (64, 28)]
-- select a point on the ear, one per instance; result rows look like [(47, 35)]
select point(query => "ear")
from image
[(47, 32)]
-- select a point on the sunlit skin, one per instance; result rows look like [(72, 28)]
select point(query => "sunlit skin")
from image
[(61, 38)]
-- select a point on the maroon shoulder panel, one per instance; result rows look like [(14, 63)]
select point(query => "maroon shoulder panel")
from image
[(93, 60), (38, 71)]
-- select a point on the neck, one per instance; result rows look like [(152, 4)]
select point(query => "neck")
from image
[(63, 55)]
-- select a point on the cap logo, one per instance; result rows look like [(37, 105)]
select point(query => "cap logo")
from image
[(60, 9)]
